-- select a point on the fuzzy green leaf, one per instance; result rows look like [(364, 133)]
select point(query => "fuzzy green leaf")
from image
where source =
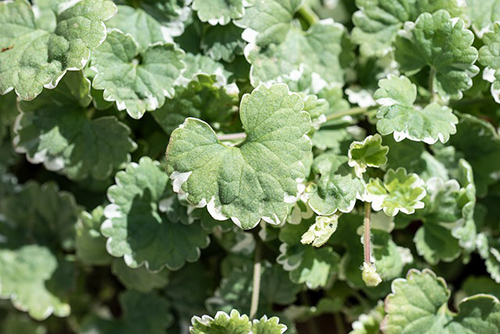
[(138, 226), (378, 21), (489, 57), (418, 304), (399, 192), (483, 14), (90, 244), (33, 58), (445, 45), (398, 115), (223, 42), (368, 153), (336, 188), (202, 98), (142, 313), (37, 225), (139, 279), (257, 180), (136, 80), (218, 11), (55, 129)]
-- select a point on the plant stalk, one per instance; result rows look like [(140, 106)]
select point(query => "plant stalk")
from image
[(367, 242), (349, 112), (256, 278), (308, 16), (432, 75), (232, 136)]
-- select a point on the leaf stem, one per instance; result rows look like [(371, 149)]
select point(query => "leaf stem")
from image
[(232, 136), (308, 16), (339, 323), (367, 241), (256, 277), (432, 75), (349, 112)]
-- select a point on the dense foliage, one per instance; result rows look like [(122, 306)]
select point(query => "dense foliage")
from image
[(249, 166)]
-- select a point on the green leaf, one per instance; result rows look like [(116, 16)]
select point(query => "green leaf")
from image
[(235, 323), (279, 50), (56, 129), (142, 26), (488, 56), (20, 323), (478, 143), (445, 45), (139, 279), (235, 291), (378, 21), (142, 313), (34, 57), (138, 226), (418, 304), (257, 180), (399, 192), (221, 323), (369, 323), (435, 242), (368, 153), (202, 98), (370, 275), (136, 80), (27, 275), (37, 225), (219, 11), (306, 264), (483, 14), (390, 258), (489, 249), (336, 187), (223, 42), (172, 14), (90, 244), (398, 115), (319, 232)]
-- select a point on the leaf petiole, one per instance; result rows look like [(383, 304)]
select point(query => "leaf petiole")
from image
[(256, 277)]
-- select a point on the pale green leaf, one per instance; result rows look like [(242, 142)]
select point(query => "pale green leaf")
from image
[(369, 323), (27, 275), (418, 304), (202, 98), (55, 129), (138, 226), (90, 244), (489, 249), (389, 258), (378, 21), (37, 58), (370, 275), (143, 27), (319, 232), (138, 81), (257, 180), (336, 187), (139, 279), (268, 326), (317, 53), (489, 56), (223, 42), (306, 264), (443, 44), (221, 323), (483, 14), (398, 192), (142, 313), (368, 153), (398, 115), (219, 11)]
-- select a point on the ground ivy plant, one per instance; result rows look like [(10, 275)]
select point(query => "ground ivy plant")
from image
[(263, 166)]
